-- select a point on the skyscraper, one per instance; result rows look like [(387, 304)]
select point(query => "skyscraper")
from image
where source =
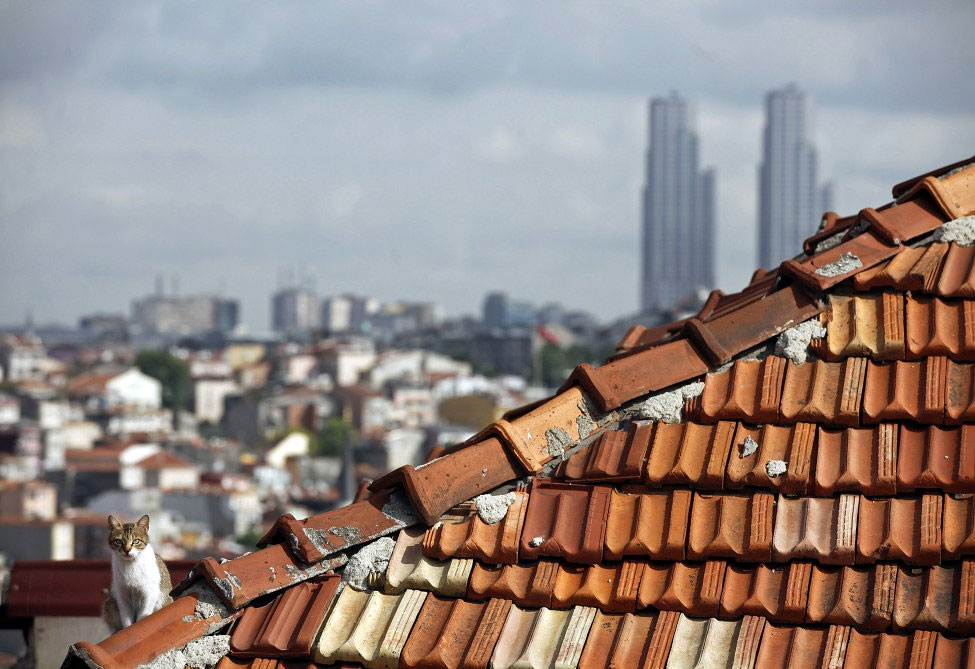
[(678, 209), (790, 203)]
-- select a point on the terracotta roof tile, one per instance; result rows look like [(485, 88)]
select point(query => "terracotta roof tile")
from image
[(370, 628), (960, 393), (409, 569), (567, 521), (454, 633), (616, 455), (903, 529), (323, 534), (778, 593), (530, 638), (690, 587), (824, 392), (906, 391), (788, 647), (734, 526), (574, 637), (909, 219), (610, 587), (473, 538), (756, 290), (869, 248), (913, 268), (821, 529), (906, 185), (620, 640), (936, 458), (953, 192), (653, 524), (959, 526), (864, 325), (862, 597), (937, 598), (723, 337), (530, 584), (690, 454), (940, 327), (857, 460), (635, 374), (750, 390), (286, 626), (954, 653), (795, 445), (459, 475), (830, 225), (243, 579)]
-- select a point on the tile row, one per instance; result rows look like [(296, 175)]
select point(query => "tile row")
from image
[(945, 270), (585, 524), (856, 391), (885, 459)]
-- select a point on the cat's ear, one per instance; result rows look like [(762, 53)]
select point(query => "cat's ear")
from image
[(113, 523), (144, 523)]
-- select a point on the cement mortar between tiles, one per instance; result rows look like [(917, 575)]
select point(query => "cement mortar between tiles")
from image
[(370, 559), (668, 406), (960, 231), (794, 342), (846, 264), (493, 508), (202, 653)]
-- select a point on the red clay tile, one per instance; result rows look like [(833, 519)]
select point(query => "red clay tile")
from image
[(690, 454), (610, 587), (831, 225), (949, 653), (940, 327), (791, 647), (957, 273), (905, 221), (639, 373), (794, 445), (323, 534), (529, 584), (901, 189), (693, 588), (723, 337), (653, 524), (461, 474), (915, 269), (903, 529), (454, 633), (857, 460), (820, 529), (953, 192), (657, 647), (858, 596), (906, 391), (936, 458), (863, 325), (960, 393), (286, 626), (638, 337), (959, 526), (623, 641), (751, 390), (616, 455), (824, 392), (759, 287), (567, 521), (868, 248), (244, 579), (733, 526), (936, 598), (473, 538), (774, 592)]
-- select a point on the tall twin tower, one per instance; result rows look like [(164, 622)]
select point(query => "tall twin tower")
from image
[(679, 197)]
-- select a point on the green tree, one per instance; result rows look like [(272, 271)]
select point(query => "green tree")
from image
[(334, 435), (171, 372)]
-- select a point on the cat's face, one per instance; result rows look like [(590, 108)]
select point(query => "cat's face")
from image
[(128, 539)]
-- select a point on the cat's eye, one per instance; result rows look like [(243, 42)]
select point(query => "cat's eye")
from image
[(136, 542), (116, 542)]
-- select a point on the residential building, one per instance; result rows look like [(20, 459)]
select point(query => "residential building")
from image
[(678, 209), (790, 202), (295, 311)]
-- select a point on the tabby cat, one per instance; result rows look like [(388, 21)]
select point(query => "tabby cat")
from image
[(140, 579)]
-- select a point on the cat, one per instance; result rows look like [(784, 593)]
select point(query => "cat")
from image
[(140, 579)]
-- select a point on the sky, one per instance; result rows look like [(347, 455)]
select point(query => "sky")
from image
[(428, 150)]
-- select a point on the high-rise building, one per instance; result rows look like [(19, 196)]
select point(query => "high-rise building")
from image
[(295, 311), (174, 315), (678, 209), (790, 201)]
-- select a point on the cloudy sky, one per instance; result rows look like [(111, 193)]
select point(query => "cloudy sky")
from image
[(427, 150)]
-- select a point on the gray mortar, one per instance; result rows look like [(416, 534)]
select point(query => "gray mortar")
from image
[(748, 447), (202, 653), (558, 440), (776, 468), (297, 574), (208, 604), (295, 544), (319, 539), (956, 171), (350, 534), (226, 587), (370, 559), (847, 263), (669, 406), (830, 242), (492, 508), (398, 508), (536, 542), (585, 425), (794, 342), (961, 231)]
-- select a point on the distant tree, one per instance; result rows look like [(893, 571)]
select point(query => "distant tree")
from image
[(171, 372), (334, 436)]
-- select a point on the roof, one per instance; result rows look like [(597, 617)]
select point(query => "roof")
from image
[(786, 478), (162, 460)]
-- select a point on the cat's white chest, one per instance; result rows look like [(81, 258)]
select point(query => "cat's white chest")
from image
[(136, 580)]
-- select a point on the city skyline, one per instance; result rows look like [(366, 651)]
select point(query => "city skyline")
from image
[(467, 149)]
